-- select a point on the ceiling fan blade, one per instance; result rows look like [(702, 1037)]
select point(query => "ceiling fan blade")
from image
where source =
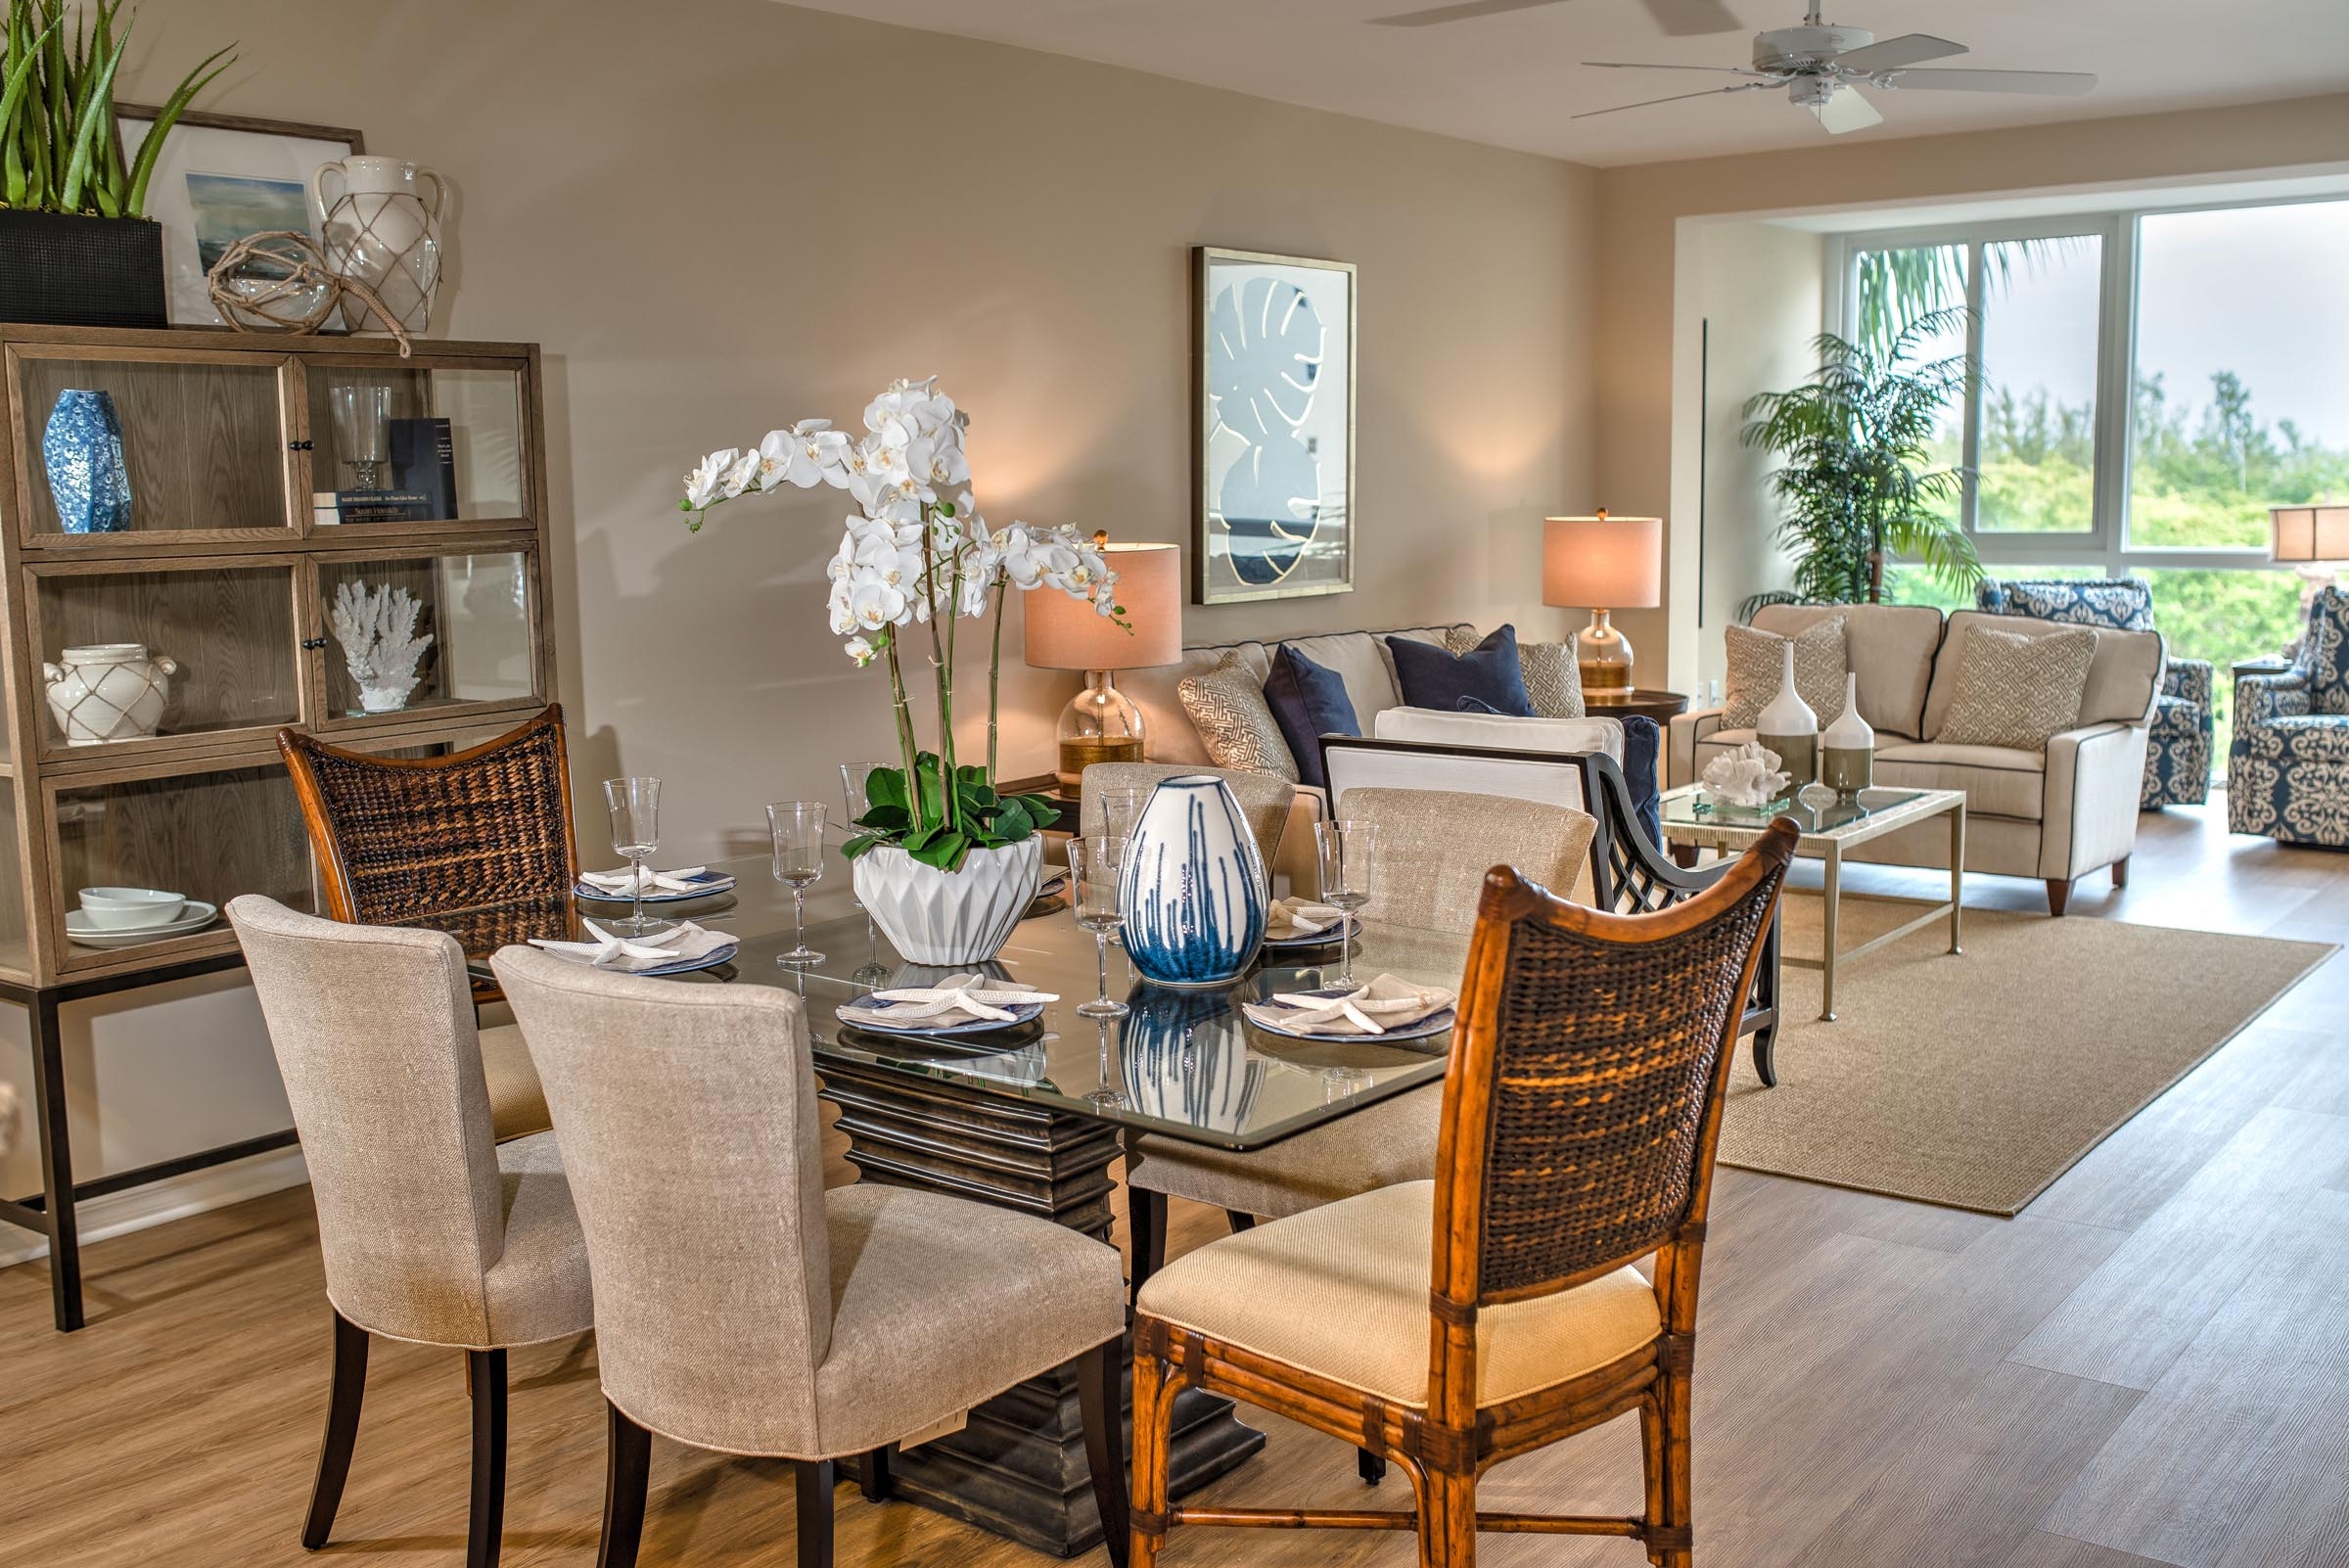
[(1435, 16), (2053, 84), (1846, 110), (1740, 87), (1694, 19), (1642, 64), (1909, 49)]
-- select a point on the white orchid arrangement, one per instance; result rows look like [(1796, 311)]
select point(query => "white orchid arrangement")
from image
[(910, 557)]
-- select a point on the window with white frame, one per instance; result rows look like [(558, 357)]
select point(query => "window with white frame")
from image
[(2152, 382)]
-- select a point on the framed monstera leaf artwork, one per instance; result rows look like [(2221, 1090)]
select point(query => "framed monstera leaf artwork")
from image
[(1272, 462)]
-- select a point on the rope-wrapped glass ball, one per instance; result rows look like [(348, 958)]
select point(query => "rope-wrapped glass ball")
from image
[(278, 281)]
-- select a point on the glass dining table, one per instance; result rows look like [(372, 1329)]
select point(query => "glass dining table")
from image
[(1033, 1118)]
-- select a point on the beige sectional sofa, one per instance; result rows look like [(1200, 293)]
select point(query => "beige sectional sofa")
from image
[(2055, 816)]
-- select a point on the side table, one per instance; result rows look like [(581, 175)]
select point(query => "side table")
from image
[(1660, 705)]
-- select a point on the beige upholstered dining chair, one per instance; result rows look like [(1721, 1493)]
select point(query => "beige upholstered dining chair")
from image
[(431, 1230), (1457, 1322), (742, 1307)]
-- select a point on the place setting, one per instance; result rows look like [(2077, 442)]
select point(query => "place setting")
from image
[(125, 917), (678, 947), (955, 1005)]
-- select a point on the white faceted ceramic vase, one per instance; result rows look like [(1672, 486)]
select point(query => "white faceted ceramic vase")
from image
[(949, 917)]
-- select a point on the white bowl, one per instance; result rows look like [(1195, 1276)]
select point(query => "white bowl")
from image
[(130, 908)]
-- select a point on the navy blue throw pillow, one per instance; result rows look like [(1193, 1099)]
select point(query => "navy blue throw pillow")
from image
[(1475, 704), (1435, 677), (1308, 701), (1642, 739)]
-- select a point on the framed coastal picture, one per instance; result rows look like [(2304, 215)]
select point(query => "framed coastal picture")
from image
[(1272, 401), (221, 177)]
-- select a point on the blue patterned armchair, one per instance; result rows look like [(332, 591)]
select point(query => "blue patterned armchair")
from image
[(2178, 745), (2287, 776)]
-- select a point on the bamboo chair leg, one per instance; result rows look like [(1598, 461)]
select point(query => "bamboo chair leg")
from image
[(1653, 1465), (1674, 1391), (1153, 1411)]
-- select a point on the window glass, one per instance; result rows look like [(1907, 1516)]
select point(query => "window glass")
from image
[(1894, 288), (2242, 330), (2038, 452)]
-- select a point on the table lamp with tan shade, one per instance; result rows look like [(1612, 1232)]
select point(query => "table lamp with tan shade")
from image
[(1603, 564), (2313, 540), (1102, 725)]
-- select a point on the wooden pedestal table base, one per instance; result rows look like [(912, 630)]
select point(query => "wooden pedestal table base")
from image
[(1018, 1467)]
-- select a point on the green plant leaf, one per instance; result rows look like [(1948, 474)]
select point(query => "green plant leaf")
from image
[(886, 819), (1013, 822), (944, 850), (134, 201), (886, 786), (864, 843), (99, 101)]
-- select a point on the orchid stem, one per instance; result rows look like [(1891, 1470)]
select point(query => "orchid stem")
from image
[(904, 713), (995, 678)]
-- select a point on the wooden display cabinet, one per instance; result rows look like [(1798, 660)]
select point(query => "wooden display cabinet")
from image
[(228, 567)]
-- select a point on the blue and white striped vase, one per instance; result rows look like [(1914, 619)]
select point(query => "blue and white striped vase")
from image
[(82, 451), (1193, 894)]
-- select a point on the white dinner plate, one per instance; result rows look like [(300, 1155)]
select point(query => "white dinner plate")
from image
[(1433, 1024), (195, 917), (707, 885)]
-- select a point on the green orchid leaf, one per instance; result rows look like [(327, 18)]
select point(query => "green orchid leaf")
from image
[(864, 843), (1012, 823), (886, 786), (944, 850), (886, 819)]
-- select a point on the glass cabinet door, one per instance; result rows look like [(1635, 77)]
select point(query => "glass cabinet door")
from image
[(123, 657), (400, 442), (124, 446), (411, 633)]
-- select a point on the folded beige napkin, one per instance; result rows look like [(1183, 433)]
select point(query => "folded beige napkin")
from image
[(685, 879), (612, 949), (955, 1001), (1386, 1003), (1300, 917)]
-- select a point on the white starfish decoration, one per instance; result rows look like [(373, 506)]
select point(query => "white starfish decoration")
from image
[(610, 948), (1397, 1002), (971, 993)]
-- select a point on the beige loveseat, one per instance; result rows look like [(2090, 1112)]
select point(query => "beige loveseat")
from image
[(2055, 816)]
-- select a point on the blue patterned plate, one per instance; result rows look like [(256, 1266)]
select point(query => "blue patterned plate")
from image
[(704, 886), (1432, 1024), (1020, 1013)]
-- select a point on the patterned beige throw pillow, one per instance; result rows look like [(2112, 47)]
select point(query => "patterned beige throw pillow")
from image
[(2017, 690), (1553, 680), (1226, 706), (1758, 668)]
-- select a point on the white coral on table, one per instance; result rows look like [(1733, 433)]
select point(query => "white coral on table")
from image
[(1748, 776), (377, 628)]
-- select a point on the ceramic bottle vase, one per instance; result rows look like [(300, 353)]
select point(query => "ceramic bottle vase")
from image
[(1194, 894), (1788, 727), (384, 231), (1846, 747)]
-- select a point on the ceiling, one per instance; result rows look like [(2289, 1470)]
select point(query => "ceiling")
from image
[(1512, 80)]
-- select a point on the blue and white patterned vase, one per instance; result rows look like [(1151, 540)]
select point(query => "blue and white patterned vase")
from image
[(1193, 893), (82, 451)]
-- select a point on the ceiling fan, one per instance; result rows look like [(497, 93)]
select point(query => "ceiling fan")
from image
[(1683, 19), (1822, 68)]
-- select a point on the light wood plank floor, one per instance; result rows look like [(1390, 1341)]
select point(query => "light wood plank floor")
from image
[(2150, 1365)]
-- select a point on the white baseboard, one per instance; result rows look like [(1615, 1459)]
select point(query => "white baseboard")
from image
[(118, 1213)]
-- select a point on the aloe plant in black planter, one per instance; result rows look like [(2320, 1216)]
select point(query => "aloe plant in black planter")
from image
[(77, 248)]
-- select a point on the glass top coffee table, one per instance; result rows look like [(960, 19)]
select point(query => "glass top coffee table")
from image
[(1829, 827)]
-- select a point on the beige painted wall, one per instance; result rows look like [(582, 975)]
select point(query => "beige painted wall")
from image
[(1645, 208), (720, 216)]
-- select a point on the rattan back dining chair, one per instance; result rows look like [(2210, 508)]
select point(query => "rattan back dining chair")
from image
[(404, 839), (741, 1307), (431, 1232), (1455, 1324)]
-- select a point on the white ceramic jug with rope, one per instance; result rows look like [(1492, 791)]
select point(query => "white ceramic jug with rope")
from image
[(382, 230)]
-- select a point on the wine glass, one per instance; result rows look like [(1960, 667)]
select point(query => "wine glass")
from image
[(854, 777), (636, 805), (1095, 868), (1349, 856), (798, 828), (1121, 810)]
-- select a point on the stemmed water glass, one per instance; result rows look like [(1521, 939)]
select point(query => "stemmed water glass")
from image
[(636, 805), (798, 830), (854, 777), (1349, 856), (1095, 866), (1121, 810)]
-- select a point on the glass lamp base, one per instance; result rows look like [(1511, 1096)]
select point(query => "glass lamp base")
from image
[(1603, 655), (1101, 724)]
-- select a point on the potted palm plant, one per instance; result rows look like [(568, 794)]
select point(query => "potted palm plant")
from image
[(943, 861), (1857, 482), (77, 248)]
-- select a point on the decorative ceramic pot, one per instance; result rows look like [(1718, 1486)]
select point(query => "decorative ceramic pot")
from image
[(82, 451), (1194, 893), (1846, 747), (1789, 728), (381, 230), (108, 691), (949, 917)]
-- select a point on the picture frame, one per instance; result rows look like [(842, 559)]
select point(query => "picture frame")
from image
[(221, 177), (1273, 390)]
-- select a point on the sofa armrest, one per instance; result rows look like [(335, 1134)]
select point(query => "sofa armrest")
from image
[(2087, 815), (2260, 698), (2188, 679), (1679, 747)]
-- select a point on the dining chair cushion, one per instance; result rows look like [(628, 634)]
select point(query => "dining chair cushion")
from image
[(517, 1102), (1342, 1291), (537, 1289), (1392, 1141), (939, 1303), (1434, 848)]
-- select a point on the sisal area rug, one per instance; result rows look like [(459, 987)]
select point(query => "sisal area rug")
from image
[(1976, 1079)]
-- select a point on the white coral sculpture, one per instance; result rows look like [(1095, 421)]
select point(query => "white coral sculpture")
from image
[(377, 628), (1748, 776)]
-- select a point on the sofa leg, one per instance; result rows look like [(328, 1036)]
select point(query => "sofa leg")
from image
[(2120, 872), (2060, 894)]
